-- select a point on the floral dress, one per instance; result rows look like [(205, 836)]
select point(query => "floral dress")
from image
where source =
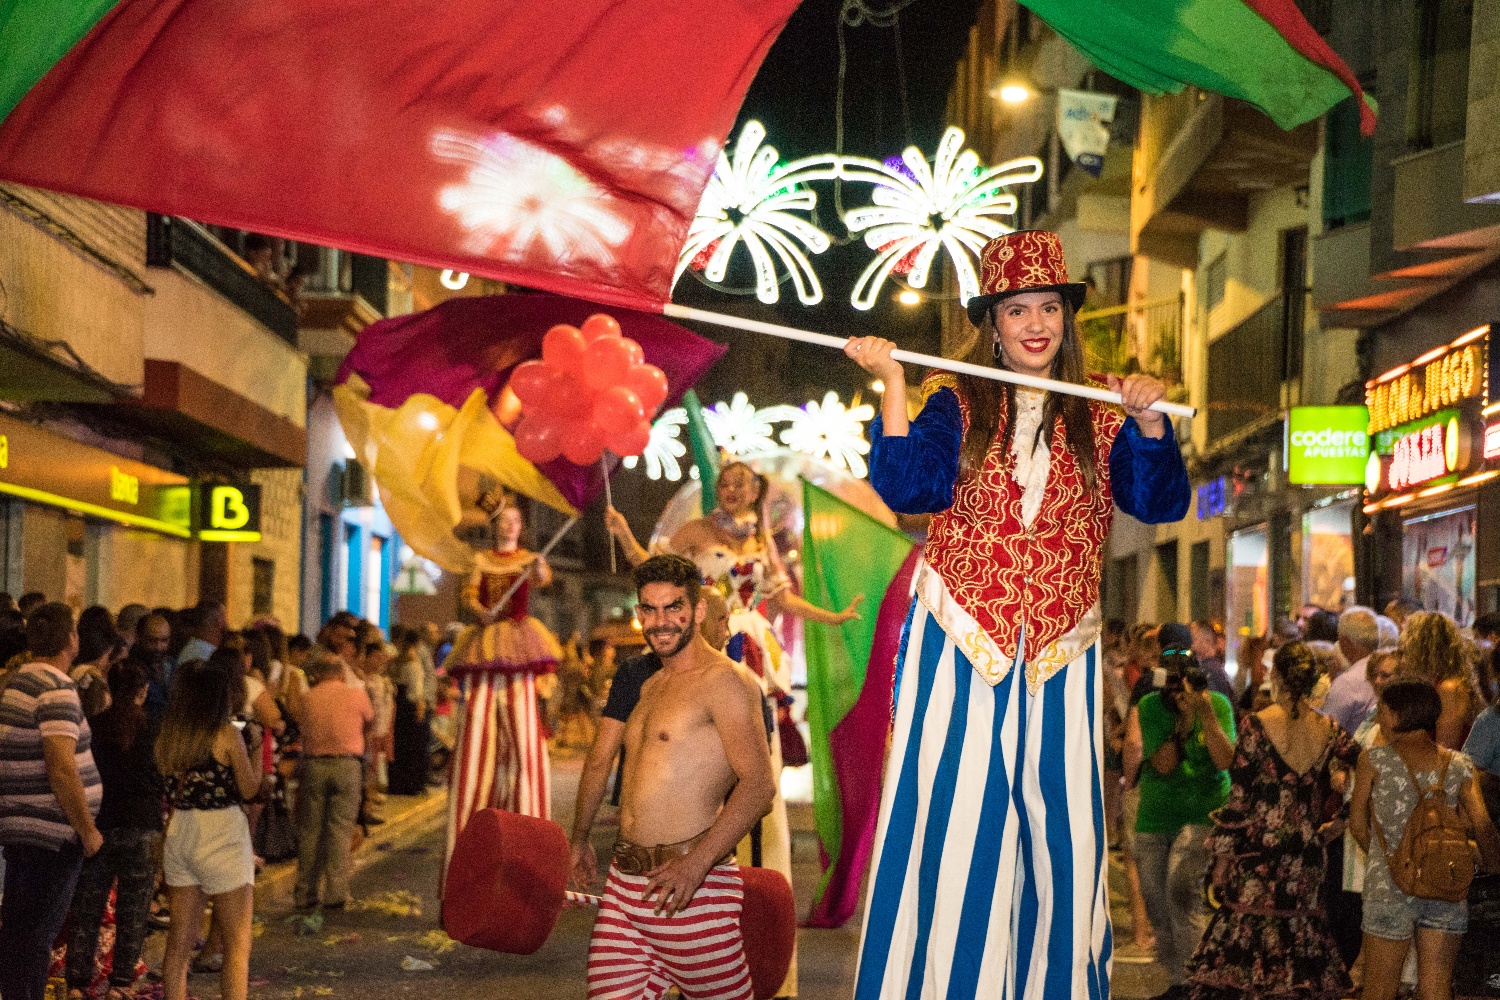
[(1270, 937)]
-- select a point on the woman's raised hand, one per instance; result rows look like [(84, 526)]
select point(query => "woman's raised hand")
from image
[(617, 525), (873, 354)]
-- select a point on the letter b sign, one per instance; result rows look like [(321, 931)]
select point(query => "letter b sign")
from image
[(225, 512)]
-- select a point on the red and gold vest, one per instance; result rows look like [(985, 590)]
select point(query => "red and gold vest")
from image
[(1005, 576)]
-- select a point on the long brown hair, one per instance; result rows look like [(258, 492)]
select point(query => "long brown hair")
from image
[(986, 397), (201, 704)]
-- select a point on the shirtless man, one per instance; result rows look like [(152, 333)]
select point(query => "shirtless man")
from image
[(697, 777)]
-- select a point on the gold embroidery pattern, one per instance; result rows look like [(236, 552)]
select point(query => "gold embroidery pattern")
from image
[(1022, 260), (1048, 578)]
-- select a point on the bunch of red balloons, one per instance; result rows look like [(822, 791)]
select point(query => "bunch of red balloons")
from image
[(591, 390)]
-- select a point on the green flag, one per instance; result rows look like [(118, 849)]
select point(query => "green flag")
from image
[(1261, 51), (846, 553), (705, 452)]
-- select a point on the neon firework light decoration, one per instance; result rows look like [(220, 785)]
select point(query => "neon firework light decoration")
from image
[(750, 200), (920, 209)]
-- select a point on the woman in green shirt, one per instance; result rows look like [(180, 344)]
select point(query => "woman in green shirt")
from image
[(1185, 737)]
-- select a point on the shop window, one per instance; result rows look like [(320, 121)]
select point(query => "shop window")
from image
[(354, 563), (326, 594), (1215, 281), (1198, 581), (263, 586), (375, 577), (1249, 590), (1346, 171), (1437, 98), (1328, 556), (1437, 563), (1166, 583)]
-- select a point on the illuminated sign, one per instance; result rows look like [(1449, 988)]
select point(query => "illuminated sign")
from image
[(124, 487), (1439, 379), (228, 513), (1424, 455), (1213, 498), (1492, 442), (1327, 445), (46, 468)]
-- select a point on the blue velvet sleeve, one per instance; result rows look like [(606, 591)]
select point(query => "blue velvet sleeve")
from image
[(1149, 479), (915, 474)]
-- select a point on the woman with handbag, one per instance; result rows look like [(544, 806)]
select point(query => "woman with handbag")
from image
[(1409, 795)]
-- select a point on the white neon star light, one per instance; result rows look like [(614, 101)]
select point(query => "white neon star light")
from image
[(830, 431), (520, 201), (750, 200), (920, 209), (664, 448), (740, 429)]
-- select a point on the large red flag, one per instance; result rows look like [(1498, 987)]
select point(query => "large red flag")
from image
[(561, 146)]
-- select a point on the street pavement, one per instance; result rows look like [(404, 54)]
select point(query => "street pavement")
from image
[(389, 943)]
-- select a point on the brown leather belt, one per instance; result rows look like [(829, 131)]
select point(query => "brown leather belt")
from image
[(635, 859)]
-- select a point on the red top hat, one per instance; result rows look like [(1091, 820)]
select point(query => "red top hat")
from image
[(1028, 261)]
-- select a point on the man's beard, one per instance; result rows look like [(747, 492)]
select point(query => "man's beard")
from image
[(682, 643)]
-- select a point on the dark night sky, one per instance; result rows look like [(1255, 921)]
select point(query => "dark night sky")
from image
[(794, 95)]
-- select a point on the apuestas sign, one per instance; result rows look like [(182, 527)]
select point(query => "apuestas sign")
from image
[(1440, 379), (227, 513), (1327, 445)]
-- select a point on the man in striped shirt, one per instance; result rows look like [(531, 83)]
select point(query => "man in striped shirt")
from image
[(697, 778), (49, 795)]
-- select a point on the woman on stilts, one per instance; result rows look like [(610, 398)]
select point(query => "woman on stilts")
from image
[(733, 549), (501, 746), (988, 877)]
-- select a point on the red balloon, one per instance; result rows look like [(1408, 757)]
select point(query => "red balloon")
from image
[(632, 441), (563, 349), (582, 444), (649, 383), (538, 439), (637, 356), (600, 325), (565, 399), (617, 409), (607, 361), (533, 382)]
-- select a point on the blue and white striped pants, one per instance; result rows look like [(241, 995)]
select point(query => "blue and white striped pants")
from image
[(988, 877)]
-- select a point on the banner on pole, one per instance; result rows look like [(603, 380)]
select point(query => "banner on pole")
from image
[(1083, 125)]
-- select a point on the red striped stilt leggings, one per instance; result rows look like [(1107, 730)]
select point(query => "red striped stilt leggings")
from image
[(636, 954)]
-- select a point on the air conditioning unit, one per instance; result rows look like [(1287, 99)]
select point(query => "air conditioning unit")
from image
[(351, 485)]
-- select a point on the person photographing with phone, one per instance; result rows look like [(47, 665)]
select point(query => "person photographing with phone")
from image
[(1185, 735)]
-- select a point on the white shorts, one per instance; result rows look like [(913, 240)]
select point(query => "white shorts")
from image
[(209, 848)]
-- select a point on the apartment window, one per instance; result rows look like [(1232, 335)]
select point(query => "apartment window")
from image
[(1294, 288), (1437, 101), (1346, 172), (1166, 592), (1198, 581), (263, 586), (1215, 281)]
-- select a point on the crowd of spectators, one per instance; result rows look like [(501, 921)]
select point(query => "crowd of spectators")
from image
[(152, 760), (1259, 811)]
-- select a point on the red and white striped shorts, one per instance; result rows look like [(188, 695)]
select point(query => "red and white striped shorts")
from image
[(636, 954)]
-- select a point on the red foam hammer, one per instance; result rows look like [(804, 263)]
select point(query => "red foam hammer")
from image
[(508, 881)]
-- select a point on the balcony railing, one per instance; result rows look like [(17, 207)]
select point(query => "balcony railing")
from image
[(1248, 365), (171, 241), (1138, 337)]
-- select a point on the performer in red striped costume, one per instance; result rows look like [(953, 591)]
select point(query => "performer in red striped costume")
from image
[(500, 753), (697, 778)]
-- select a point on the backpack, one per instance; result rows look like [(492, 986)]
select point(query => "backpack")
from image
[(1435, 858)]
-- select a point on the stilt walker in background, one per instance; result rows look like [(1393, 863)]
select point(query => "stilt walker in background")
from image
[(988, 877), (736, 554), (500, 753)]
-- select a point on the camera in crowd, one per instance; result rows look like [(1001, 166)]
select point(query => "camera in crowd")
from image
[(1177, 671)]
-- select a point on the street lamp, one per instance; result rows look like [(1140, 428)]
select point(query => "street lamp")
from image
[(1011, 92), (909, 298)]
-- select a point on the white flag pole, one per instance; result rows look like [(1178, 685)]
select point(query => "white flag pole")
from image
[(963, 367)]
